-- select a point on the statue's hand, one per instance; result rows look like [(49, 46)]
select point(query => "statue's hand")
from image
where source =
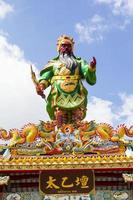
[(93, 63), (39, 89)]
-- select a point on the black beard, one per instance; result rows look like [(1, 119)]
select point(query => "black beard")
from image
[(69, 60)]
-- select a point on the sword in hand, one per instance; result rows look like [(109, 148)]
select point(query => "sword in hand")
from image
[(39, 86)]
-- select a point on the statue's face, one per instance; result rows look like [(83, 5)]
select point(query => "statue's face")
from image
[(66, 48)]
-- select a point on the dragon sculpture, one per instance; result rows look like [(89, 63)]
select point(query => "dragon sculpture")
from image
[(88, 137)]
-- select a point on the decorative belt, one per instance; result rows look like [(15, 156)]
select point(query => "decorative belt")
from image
[(71, 77)]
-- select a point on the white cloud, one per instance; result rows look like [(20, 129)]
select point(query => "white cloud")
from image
[(126, 110), (120, 14), (106, 111), (101, 110), (119, 7), (92, 30), (19, 103), (5, 8)]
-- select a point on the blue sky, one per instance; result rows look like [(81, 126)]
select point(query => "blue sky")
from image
[(101, 28)]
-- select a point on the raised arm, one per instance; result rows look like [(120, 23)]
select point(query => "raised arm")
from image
[(88, 71)]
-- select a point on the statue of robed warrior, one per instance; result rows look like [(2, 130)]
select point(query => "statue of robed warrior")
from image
[(67, 100)]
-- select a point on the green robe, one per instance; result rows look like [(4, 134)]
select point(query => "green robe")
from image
[(67, 91)]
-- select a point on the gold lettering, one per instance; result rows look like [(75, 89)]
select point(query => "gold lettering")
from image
[(64, 179), (51, 183), (82, 181)]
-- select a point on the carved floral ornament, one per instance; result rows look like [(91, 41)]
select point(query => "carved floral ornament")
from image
[(4, 180), (128, 177)]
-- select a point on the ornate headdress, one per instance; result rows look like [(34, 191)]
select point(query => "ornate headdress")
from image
[(64, 39)]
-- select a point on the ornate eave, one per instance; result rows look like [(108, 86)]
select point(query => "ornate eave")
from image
[(67, 162)]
